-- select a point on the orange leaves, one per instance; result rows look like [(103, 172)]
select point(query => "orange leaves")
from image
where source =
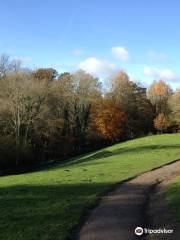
[(158, 93), (108, 120), (159, 90), (161, 122), (45, 74)]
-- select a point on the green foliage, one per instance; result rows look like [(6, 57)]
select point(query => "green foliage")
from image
[(48, 204)]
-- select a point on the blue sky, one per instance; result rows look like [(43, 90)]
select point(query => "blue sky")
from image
[(99, 36)]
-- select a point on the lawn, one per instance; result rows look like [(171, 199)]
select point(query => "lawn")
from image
[(173, 197), (49, 203)]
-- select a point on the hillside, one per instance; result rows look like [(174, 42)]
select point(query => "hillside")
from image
[(49, 203)]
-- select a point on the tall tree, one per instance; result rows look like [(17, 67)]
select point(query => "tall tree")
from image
[(159, 93), (108, 119), (174, 104), (86, 90), (131, 97), (21, 106), (15, 65), (161, 122), (4, 65)]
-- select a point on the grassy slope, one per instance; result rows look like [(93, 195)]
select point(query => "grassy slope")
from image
[(173, 197), (47, 204)]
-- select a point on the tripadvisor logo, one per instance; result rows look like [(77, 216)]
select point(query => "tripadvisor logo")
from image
[(139, 231)]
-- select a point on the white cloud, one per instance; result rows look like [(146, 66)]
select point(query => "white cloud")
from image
[(63, 67), (98, 67), (120, 53), (164, 74), (150, 72), (23, 59), (156, 56), (77, 52), (133, 78)]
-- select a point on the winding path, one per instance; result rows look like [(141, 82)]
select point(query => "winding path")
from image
[(122, 210)]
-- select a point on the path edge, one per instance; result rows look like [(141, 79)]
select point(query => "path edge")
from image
[(87, 212)]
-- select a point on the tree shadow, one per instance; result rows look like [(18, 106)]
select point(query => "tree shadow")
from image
[(34, 212), (121, 151)]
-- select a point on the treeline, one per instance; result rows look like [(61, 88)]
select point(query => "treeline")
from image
[(45, 115)]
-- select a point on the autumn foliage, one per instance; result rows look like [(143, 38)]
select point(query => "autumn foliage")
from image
[(161, 122), (45, 115), (158, 93), (45, 73), (108, 119)]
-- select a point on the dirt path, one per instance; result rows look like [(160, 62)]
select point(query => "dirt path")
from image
[(121, 211)]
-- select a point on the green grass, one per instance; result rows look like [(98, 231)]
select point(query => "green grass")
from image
[(173, 197), (49, 203)]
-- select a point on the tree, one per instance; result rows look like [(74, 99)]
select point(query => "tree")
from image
[(4, 65), (161, 122), (85, 91), (174, 104), (64, 77), (15, 65), (108, 119), (159, 93), (48, 74), (131, 98), (42, 119), (22, 104), (70, 99)]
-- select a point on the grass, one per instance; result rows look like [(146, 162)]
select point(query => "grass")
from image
[(173, 197), (49, 203)]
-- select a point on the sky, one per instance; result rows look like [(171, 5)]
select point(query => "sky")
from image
[(101, 37)]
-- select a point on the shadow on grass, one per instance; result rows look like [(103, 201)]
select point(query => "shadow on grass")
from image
[(173, 198), (124, 150), (50, 211), (44, 212), (53, 165)]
